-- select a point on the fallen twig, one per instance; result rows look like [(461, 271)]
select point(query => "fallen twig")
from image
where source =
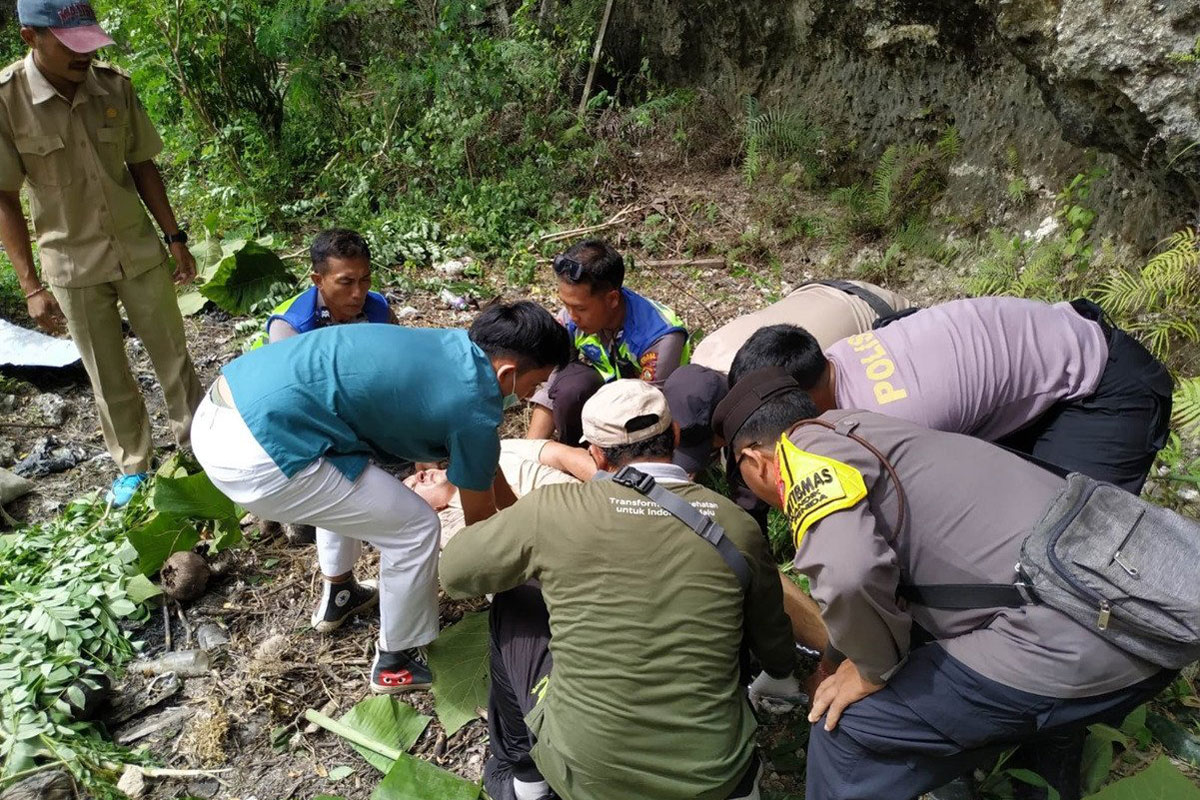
[(684, 262), (167, 625), (42, 425), (613, 220)]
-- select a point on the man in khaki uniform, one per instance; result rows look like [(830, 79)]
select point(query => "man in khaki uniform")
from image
[(75, 132)]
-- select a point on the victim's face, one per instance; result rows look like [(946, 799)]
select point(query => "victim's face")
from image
[(432, 486)]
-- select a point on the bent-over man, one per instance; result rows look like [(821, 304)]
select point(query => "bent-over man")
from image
[(289, 431), (619, 676), (1058, 382), (924, 694)]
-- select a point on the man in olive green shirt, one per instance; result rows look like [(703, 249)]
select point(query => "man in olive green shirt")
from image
[(74, 133), (629, 686)]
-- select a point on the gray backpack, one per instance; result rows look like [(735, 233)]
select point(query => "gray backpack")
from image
[(1126, 569)]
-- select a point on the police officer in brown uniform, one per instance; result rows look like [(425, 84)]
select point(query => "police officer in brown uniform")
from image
[(73, 130), (925, 694)]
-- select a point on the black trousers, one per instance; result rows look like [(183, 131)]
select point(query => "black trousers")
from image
[(572, 387), (520, 663), (1114, 433), (937, 719)]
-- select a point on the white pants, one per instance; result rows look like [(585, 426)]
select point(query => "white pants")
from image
[(376, 508)]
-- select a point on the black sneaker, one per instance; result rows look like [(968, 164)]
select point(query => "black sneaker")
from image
[(298, 534), (340, 601), (395, 671)]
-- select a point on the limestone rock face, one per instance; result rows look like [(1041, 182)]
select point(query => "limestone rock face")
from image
[(1041, 79)]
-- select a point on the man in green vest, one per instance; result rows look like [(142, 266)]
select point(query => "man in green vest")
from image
[(616, 332)]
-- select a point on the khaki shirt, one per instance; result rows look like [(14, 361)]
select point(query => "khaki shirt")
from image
[(970, 506), (828, 313), (90, 223)]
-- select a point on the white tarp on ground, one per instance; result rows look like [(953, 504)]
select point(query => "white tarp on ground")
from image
[(22, 347)]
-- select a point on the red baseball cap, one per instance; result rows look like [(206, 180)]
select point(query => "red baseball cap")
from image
[(74, 24)]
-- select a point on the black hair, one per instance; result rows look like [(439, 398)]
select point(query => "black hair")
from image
[(337, 243), (603, 267), (661, 445), (773, 417), (524, 332), (787, 346)]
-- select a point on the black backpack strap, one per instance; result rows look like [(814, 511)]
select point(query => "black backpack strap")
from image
[(705, 527), (961, 596), (877, 303)]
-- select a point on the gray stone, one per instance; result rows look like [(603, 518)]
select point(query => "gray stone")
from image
[(52, 408), (1027, 84)]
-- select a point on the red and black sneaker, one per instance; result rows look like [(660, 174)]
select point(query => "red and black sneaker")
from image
[(395, 671)]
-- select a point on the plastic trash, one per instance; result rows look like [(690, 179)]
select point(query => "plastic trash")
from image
[(184, 663)]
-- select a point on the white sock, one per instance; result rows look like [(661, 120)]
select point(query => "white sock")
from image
[(530, 790)]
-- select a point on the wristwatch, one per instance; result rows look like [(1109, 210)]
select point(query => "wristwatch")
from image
[(171, 238)]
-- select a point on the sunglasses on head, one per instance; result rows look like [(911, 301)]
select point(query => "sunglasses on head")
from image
[(567, 268)]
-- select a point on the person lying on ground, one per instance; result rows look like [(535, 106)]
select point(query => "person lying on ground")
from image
[(1058, 382), (923, 695), (606, 681), (617, 333), (289, 432), (527, 464), (340, 295)]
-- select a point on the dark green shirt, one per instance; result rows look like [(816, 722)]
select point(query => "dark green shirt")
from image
[(644, 699)]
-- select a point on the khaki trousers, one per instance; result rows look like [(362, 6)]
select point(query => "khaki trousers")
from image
[(95, 324)]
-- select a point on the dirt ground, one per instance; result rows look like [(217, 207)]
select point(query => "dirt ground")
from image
[(244, 720)]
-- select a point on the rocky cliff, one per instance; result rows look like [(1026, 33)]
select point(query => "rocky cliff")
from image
[(1040, 90)]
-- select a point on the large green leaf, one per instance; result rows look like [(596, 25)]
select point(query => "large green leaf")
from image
[(191, 301), (387, 721), (1098, 755), (244, 277), (158, 537), (1162, 780), (459, 660), (192, 496), (413, 779)]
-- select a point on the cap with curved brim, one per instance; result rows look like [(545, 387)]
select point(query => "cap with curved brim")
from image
[(83, 38), (747, 396)]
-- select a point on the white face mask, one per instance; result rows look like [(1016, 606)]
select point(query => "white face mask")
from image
[(511, 398)]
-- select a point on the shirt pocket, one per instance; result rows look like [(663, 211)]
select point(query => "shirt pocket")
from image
[(110, 145), (45, 160)]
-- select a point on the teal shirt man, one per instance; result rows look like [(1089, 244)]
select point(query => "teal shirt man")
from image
[(349, 393)]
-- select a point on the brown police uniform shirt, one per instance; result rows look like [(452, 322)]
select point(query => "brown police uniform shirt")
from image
[(970, 505), (90, 223), (828, 313)]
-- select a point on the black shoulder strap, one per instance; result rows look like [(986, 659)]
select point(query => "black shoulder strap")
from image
[(706, 527), (877, 303), (959, 596)]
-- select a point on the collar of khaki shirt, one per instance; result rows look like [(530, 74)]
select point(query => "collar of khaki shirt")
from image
[(41, 90)]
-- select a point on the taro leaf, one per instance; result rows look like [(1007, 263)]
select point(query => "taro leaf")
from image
[(244, 277), (459, 660), (388, 721), (158, 537), (339, 773), (1162, 780), (228, 533), (193, 496), (191, 302), (414, 779), (140, 589), (1098, 755)]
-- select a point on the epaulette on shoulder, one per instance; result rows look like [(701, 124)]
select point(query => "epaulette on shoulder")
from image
[(104, 65)]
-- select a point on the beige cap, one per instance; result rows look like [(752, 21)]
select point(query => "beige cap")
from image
[(607, 414)]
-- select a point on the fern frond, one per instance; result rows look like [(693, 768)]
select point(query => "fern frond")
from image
[(949, 145), (1186, 403)]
